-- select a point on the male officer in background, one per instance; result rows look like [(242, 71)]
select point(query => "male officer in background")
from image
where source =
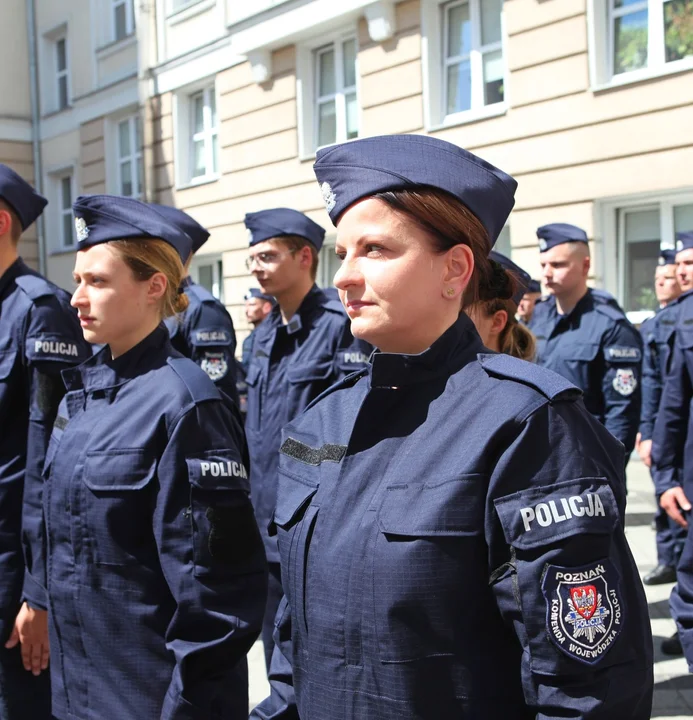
[(257, 307), (584, 337), (39, 336), (525, 309), (302, 348), (204, 332), (657, 334)]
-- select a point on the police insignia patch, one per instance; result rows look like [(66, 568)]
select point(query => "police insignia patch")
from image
[(543, 245), (625, 382), (81, 229), (328, 196), (215, 365), (584, 615), (679, 245)]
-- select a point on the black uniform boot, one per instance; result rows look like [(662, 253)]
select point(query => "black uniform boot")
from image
[(661, 575), (672, 645)]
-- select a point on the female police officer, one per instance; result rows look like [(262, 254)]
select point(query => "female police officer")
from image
[(450, 523), (156, 575), (494, 314)]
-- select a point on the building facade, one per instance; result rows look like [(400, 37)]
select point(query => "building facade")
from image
[(588, 103)]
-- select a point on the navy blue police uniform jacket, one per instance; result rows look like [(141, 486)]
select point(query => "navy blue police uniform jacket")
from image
[(451, 534), (204, 332), (291, 365), (597, 349), (247, 352), (156, 572), (39, 336)]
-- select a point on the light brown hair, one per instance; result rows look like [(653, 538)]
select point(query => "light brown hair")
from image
[(296, 243), (515, 339), (148, 256)]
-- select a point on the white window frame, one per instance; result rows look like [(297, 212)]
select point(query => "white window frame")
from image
[(57, 179), (307, 89), (134, 158), (129, 18), (217, 264), (185, 138), (323, 280), (601, 15), (611, 228), (60, 74), (435, 62), (173, 9)]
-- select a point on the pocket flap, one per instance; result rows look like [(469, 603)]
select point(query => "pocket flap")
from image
[(218, 470), (549, 513), (453, 507), (684, 336), (7, 360), (293, 497), (122, 469), (253, 375), (585, 351), (308, 373)]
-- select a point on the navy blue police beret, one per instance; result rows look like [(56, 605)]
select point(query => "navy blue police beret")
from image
[(361, 168), (258, 294), (102, 218), (277, 222), (684, 240), (523, 278), (667, 257), (559, 233), (188, 225), (20, 196)]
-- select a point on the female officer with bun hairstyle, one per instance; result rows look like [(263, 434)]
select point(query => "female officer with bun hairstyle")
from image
[(494, 314), (450, 522), (156, 572)]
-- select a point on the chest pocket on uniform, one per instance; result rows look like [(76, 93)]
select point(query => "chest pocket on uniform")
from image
[(430, 571), (117, 506), (310, 372)]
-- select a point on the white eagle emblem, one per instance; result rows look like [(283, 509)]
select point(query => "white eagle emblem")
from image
[(82, 229), (328, 196), (215, 365), (625, 382), (679, 245), (543, 245)]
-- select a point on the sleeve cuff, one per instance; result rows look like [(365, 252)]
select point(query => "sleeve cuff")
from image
[(34, 593), (664, 479)]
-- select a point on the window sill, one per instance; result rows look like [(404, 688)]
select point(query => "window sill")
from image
[(53, 113), (189, 11), (204, 180), (636, 76), (470, 116), (116, 46)]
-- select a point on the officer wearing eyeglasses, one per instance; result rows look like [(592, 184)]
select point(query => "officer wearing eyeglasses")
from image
[(301, 349)]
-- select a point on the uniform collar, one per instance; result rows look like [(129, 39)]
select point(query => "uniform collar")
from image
[(314, 298), (101, 371), (15, 270), (457, 346), (584, 303)]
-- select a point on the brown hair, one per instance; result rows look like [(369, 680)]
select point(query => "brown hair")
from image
[(148, 256), (449, 223), (515, 339), (296, 243), (16, 225)]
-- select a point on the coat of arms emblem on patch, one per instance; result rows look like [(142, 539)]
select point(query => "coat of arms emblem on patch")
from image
[(584, 613), (625, 382), (215, 365)]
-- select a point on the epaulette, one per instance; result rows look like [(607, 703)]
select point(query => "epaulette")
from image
[(547, 382), (610, 311), (201, 293), (35, 286), (199, 385)]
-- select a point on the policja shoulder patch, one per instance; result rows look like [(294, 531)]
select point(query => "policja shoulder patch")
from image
[(584, 612)]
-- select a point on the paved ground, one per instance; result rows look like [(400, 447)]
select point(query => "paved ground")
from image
[(673, 684)]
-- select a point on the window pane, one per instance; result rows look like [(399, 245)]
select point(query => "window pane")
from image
[(205, 276), (126, 179), (349, 63), (327, 123), (124, 139), (212, 106), (491, 21), (493, 77), (326, 82), (120, 21), (630, 42), (66, 193), (198, 159), (352, 116), (198, 104), (642, 249), (140, 176), (459, 88), (138, 134), (68, 225), (678, 29), (62, 92), (62, 55), (459, 31), (502, 245), (683, 218), (627, 3), (215, 154)]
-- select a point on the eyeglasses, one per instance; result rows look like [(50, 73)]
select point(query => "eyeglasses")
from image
[(265, 259)]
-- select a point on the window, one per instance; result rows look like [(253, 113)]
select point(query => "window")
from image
[(328, 264), (130, 169), (473, 69), (336, 103), (209, 272), (177, 5), (123, 19), (648, 33), (204, 134), (63, 193), (502, 244), (61, 74)]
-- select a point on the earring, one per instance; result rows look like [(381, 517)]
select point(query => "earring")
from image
[(450, 292)]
